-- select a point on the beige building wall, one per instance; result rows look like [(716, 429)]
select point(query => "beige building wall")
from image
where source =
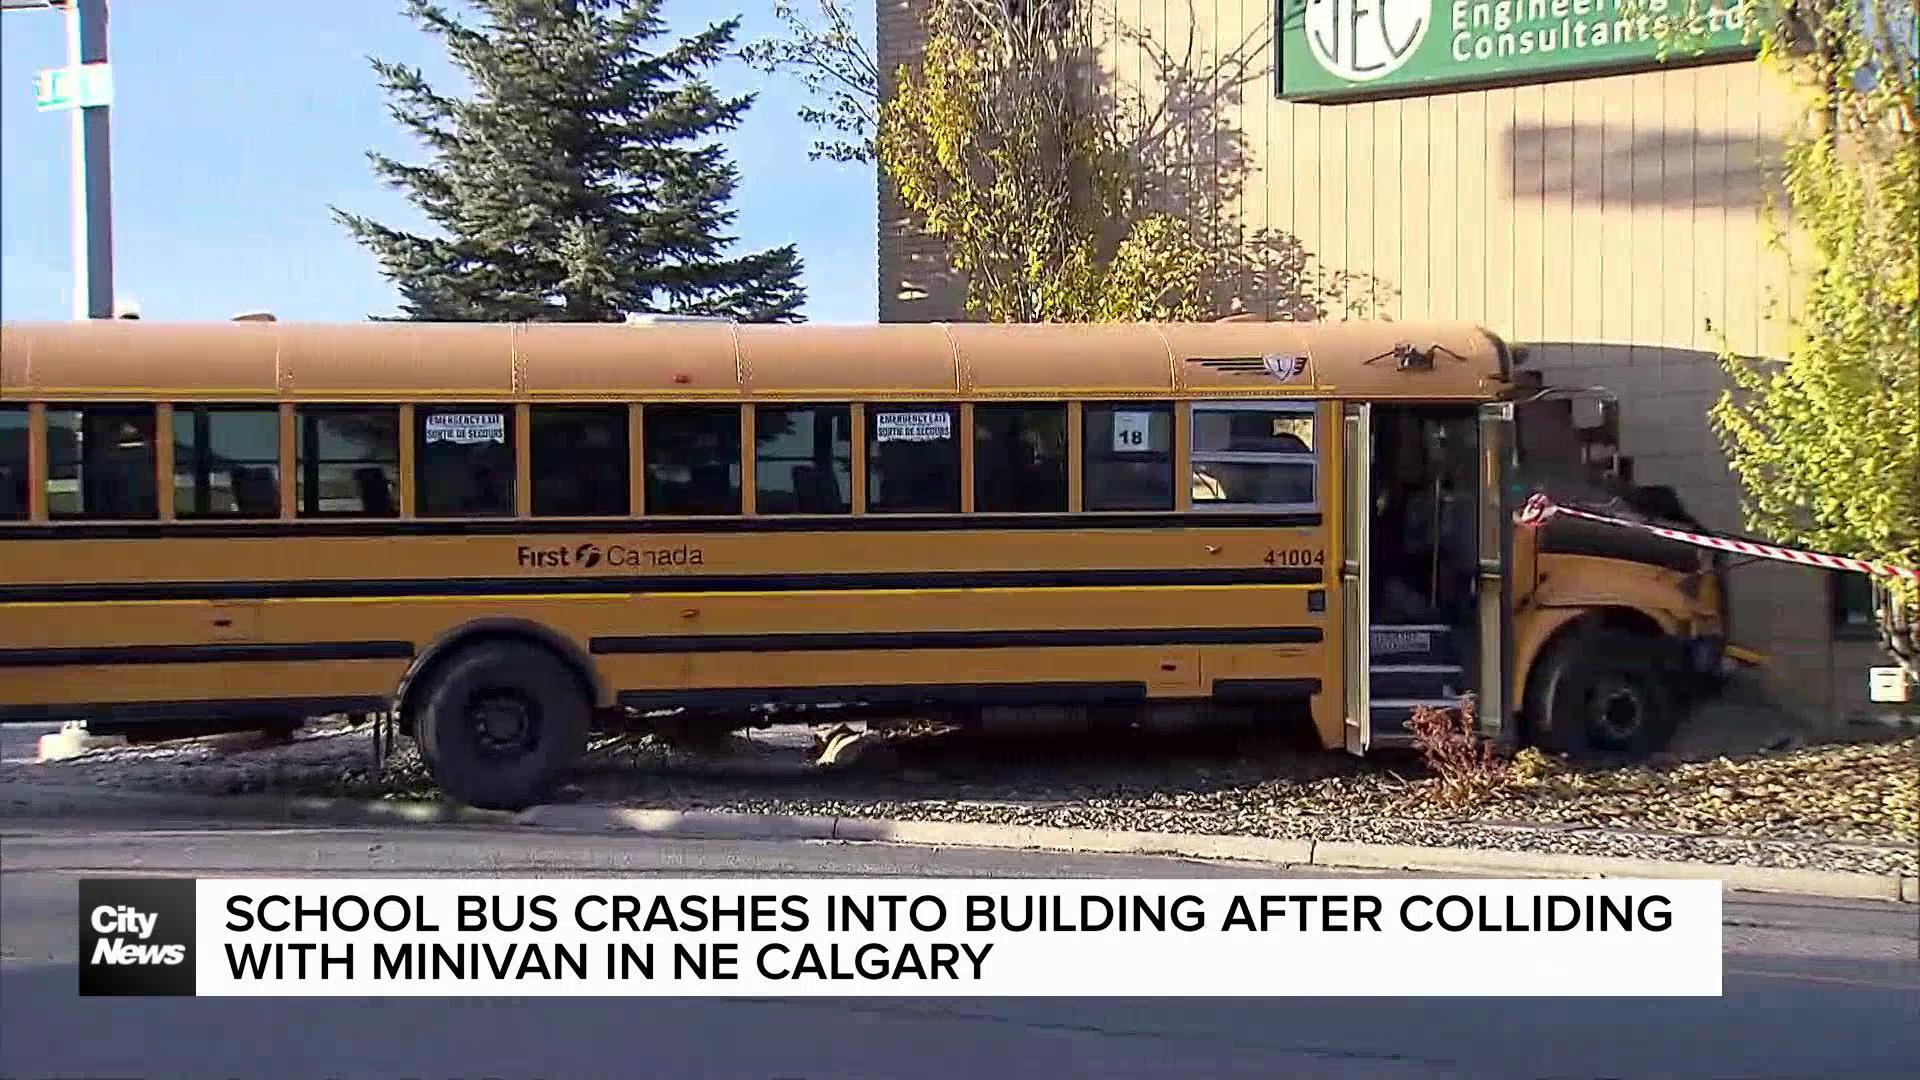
[(1614, 225), (916, 284)]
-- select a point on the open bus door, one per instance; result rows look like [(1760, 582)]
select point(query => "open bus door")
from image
[(1493, 585), (1426, 548), (1356, 569)]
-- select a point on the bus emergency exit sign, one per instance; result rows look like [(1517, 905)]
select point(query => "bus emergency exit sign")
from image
[(83, 86)]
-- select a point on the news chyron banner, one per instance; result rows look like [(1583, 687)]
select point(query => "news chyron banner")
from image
[(899, 938)]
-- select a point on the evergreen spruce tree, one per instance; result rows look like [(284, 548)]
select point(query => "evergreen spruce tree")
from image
[(580, 182)]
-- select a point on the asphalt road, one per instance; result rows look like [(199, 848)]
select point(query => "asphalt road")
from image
[(1813, 988)]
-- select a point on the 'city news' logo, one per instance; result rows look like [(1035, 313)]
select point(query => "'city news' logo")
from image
[(136, 937), (1362, 40)]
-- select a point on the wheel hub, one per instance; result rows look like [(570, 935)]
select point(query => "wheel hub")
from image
[(1618, 711), (502, 722)]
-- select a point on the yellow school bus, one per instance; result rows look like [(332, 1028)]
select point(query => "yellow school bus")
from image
[(507, 534)]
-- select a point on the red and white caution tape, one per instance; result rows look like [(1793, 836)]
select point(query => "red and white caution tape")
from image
[(1539, 509)]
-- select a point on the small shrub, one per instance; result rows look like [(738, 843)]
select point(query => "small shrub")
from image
[(1467, 764), (1530, 766)]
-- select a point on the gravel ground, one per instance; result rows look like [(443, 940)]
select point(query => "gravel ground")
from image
[(1850, 804), (1842, 806)]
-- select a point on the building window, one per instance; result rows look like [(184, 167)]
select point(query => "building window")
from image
[(803, 459), (13, 464), (581, 461), (1853, 605), (101, 462), (226, 462), (463, 461), (913, 459), (1020, 459), (348, 461), (693, 459), (1129, 457), (1253, 456)]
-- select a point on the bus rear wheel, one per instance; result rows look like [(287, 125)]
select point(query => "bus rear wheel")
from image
[(1603, 691), (500, 723)]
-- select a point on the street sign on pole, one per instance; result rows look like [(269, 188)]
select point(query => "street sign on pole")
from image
[(84, 91), (86, 86)]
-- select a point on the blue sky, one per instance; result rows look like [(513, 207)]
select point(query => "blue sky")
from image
[(237, 122)]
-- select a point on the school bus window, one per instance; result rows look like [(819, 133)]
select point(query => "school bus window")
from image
[(1129, 457), (1020, 459), (463, 461), (13, 464), (101, 461), (226, 462), (693, 459), (349, 461), (1253, 456), (913, 459), (803, 459), (580, 461)]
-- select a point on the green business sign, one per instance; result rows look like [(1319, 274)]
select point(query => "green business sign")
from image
[(1347, 48)]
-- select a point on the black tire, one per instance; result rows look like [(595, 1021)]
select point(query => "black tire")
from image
[(1604, 691), (500, 723)]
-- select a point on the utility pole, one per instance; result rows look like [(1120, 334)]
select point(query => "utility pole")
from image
[(92, 197), (92, 171)]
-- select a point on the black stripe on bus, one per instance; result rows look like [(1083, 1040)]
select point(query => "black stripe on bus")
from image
[(953, 639), (243, 652), (640, 527), (1255, 691), (537, 585), (212, 711), (1038, 693)]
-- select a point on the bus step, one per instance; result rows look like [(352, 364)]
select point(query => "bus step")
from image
[(1444, 681), (1390, 716), (1413, 644)]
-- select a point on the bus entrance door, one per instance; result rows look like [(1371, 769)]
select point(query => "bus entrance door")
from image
[(1420, 525), (1356, 450)]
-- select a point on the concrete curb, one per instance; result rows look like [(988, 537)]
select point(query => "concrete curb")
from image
[(1839, 884), (46, 800), (1041, 838), (704, 824), (710, 824), (720, 825)]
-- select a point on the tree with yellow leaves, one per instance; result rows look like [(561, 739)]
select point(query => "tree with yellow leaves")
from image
[(1826, 441), (1002, 144)]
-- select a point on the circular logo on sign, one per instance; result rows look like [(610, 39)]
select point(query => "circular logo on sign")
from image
[(1363, 40)]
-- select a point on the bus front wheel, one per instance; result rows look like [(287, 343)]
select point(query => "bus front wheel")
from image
[(500, 723), (1603, 691)]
